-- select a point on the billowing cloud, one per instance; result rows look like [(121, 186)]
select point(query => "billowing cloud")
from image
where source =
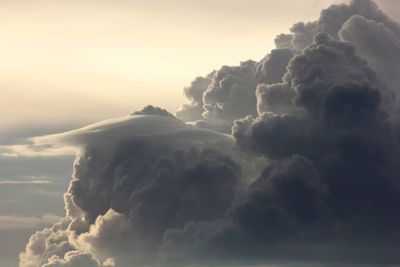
[(331, 21), (194, 110), (338, 125), (125, 169), (72, 259), (229, 93), (309, 175), (379, 45)]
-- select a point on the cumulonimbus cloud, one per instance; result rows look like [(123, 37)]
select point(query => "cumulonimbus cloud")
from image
[(308, 175)]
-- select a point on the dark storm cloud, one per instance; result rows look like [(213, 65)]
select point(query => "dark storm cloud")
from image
[(331, 193), (316, 114), (345, 133), (231, 93), (271, 68), (287, 196), (276, 98), (119, 179), (379, 45)]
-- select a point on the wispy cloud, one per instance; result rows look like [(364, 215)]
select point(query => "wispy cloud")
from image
[(61, 144), (33, 180), (35, 150), (19, 222), (25, 182)]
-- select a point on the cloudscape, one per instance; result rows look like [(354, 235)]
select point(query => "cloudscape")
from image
[(289, 160)]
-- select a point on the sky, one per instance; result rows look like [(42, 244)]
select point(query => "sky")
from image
[(65, 64), (71, 57)]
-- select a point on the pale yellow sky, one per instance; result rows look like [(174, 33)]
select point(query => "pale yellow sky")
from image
[(70, 61)]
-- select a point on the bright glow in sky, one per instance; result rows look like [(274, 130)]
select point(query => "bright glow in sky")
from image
[(65, 63)]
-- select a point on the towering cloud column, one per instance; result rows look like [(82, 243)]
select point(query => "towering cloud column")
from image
[(291, 160)]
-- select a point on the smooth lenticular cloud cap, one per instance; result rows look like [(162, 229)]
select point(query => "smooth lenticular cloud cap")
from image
[(153, 128)]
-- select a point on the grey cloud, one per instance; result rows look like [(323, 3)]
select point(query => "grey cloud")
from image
[(151, 190), (230, 93), (272, 135), (303, 34), (331, 21), (287, 195), (271, 69), (108, 236), (276, 98), (119, 180), (158, 129), (345, 133), (379, 45), (72, 259), (151, 110), (284, 41), (322, 65), (260, 223), (329, 192), (194, 110), (45, 244)]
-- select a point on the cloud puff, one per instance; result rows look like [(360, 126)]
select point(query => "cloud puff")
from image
[(194, 110), (230, 93), (151, 110), (72, 259), (379, 45), (331, 21)]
